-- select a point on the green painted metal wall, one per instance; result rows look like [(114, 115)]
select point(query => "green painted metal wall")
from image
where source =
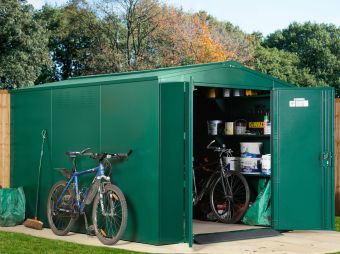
[(130, 119), (110, 118), (172, 163), (30, 113)]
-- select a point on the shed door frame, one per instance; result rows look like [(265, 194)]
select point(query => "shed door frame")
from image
[(189, 115)]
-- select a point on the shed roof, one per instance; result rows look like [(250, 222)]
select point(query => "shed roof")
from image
[(216, 72)]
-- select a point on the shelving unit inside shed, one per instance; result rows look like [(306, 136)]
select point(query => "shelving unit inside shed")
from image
[(211, 104)]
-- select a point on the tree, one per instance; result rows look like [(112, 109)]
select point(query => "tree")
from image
[(23, 45), (283, 65), (183, 38), (139, 18), (232, 38), (317, 47), (75, 39)]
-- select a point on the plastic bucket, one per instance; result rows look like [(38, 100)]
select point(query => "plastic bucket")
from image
[(233, 162), (250, 148), (266, 164), (250, 165), (238, 92), (240, 126), (215, 127), (226, 92)]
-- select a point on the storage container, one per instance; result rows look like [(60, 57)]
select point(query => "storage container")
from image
[(250, 165)]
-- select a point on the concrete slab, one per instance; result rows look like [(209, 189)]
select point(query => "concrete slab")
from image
[(289, 243)]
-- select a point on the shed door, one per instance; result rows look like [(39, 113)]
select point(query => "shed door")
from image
[(302, 145), (188, 160)]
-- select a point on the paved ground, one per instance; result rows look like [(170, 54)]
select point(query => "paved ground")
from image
[(292, 242)]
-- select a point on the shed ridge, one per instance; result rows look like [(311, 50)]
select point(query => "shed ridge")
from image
[(171, 73)]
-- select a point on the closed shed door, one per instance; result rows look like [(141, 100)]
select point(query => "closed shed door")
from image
[(303, 191)]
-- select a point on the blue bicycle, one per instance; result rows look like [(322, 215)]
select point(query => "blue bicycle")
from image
[(66, 201)]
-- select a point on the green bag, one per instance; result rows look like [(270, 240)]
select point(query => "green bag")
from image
[(260, 212), (12, 206)]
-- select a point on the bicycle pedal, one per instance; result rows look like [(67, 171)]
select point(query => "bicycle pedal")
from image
[(103, 232), (91, 231)]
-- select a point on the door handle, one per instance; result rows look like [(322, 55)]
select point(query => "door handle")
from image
[(326, 159)]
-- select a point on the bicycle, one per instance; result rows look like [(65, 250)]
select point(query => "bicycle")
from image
[(66, 202), (229, 190)]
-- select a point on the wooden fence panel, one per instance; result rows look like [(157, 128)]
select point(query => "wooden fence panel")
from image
[(4, 138), (337, 157)]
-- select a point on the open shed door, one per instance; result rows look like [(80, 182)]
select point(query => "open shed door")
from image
[(302, 145), (188, 97)]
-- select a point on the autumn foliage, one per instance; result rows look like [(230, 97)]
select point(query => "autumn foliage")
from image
[(186, 38)]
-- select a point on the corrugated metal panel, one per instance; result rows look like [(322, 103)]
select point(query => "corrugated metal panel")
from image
[(111, 118), (30, 114), (130, 119)]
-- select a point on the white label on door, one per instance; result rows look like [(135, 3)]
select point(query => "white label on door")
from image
[(299, 102), (291, 104)]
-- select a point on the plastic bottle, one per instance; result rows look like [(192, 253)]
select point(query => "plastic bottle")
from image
[(265, 124)]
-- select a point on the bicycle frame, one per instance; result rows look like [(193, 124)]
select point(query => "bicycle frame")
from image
[(80, 204), (210, 181), (207, 184)]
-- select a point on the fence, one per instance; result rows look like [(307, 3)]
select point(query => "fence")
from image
[(337, 157), (4, 138)]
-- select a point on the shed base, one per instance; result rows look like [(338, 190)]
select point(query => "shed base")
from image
[(201, 227)]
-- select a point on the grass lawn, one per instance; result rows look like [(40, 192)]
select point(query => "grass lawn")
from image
[(25, 244), (337, 224)]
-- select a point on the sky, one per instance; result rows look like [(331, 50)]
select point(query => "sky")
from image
[(265, 16)]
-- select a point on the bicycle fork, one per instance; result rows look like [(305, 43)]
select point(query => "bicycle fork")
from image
[(110, 204)]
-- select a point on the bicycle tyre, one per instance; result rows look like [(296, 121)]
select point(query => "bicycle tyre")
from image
[(228, 214), (118, 219), (63, 227)]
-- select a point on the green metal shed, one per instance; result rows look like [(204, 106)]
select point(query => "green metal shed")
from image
[(155, 113)]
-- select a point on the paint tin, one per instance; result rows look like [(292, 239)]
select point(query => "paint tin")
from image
[(226, 92), (229, 128), (215, 127)]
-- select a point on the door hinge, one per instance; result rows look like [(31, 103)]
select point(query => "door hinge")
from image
[(184, 136)]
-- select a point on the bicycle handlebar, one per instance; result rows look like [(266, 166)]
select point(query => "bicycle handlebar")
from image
[(100, 156), (218, 149)]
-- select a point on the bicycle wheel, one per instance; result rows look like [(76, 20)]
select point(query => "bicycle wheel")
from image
[(109, 215), (61, 221), (229, 199)]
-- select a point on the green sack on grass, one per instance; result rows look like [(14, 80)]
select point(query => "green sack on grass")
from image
[(12, 206), (260, 211)]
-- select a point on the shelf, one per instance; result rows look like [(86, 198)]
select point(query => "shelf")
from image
[(242, 136), (248, 136), (242, 97), (255, 174)]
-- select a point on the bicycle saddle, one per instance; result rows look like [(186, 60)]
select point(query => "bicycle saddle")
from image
[(71, 154), (74, 154)]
